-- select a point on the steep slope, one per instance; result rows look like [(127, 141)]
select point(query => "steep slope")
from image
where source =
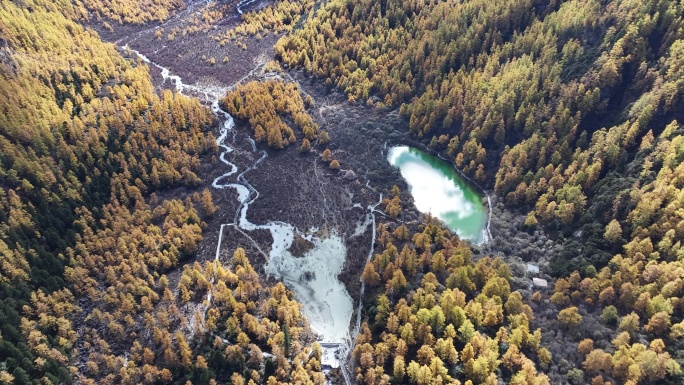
[(88, 150), (547, 98), (568, 110)]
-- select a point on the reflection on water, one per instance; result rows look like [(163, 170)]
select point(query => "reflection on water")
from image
[(437, 188)]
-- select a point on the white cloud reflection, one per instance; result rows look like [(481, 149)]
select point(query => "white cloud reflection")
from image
[(436, 192)]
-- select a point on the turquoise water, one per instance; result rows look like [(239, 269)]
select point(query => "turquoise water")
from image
[(439, 189)]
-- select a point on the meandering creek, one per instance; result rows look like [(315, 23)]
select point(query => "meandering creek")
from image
[(313, 277), (439, 189)]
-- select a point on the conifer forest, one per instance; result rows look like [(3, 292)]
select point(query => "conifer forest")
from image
[(377, 192)]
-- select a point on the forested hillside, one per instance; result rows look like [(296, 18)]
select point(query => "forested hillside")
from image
[(437, 316), (87, 150), (555, 105), (126, 11), (570, 111)]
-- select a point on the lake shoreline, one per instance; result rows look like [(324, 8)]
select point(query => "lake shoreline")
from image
[(440, 189), (489, 195)]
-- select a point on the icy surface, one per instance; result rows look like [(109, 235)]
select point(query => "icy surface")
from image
[(313, 278)]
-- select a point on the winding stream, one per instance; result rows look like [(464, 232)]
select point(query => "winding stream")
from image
[(313, 277), (244, 3), (437, 188)]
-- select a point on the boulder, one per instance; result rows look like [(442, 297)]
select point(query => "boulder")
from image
[(350, 175)]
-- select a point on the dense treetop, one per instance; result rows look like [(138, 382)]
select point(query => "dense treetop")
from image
[(128, 11), (438, 316), (568, 110), (86, 150), (271, 108), (549, 96)]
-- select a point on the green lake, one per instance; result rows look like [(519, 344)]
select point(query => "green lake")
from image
[(438, 188)]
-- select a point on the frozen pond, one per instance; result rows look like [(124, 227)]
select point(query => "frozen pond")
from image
[(439, 189), (313, 278)]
